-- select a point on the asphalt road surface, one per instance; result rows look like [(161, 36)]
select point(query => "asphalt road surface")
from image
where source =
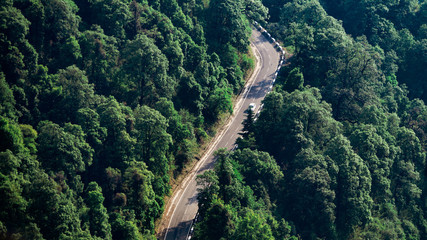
[(183, 206)]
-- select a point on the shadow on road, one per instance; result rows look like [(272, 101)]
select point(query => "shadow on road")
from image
[(259, 90), (206, 167), (177, 233), (192, 200), (260, 39)]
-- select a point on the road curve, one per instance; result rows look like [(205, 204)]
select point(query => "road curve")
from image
[(182, 206)]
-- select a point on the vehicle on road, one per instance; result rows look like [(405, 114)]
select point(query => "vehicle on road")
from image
[(182, 209), (251, 107)]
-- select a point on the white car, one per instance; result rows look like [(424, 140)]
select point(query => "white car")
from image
[(252, 107)]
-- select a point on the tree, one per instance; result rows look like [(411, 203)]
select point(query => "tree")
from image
[(100, 55), (52, 209), (252, 226), (17, 56), (97, 215), (29, 135), (295, 80), (7, 101), (209, 189), (89, 120), (76, 93), (153, 140), (407, 172), (255, 10), (376, 152), (354, 203), (144, 72), (218, 103), (112, 15), (152, 145), (11, 136), (137, 185), (118, 147), (63, 149), (60, 25), (182, 132), (13, 204), (291, 122), (124, 229), (217, 222), (248, 123), (248, 137), (259, 168), (311, 194), (189, 94), (231, 26)]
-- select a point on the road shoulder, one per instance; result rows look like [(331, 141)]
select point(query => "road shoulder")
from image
[(180, 189)]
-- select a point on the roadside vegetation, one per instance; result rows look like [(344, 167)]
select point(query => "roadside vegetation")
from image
[(339, 149), (102, 103)]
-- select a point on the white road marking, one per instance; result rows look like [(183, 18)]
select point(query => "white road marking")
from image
[(209, 152)]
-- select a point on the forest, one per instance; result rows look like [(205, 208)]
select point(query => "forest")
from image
[(103, 103), (339, 148)]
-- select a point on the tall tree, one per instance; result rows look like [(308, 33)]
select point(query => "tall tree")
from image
[(63, 149), (97, 214), (144, 72), (231, 26)]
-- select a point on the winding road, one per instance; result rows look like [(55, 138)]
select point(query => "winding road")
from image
[(182, 207)]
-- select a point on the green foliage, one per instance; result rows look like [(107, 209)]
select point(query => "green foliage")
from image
[(16, 52), (219, 103), (153, 144), (218, 222), (100, 55), (11, 135), (377, 154), (137, 185), (252, 226), (124, 229), (75, 93), (254, 10), (122, 93), (354, 185), (351, 150), (236, 200), (118, 145), (225, 16), (295, 80), (60, 22), (395, 27), (144, 75), (88, 119), (7, 101), (97, 215), (63, 149), (181, 130), (29, 136), (118, 92), (247, 140)]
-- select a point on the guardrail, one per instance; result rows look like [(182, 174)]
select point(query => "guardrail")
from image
[(282, 58), (279, 49), (271, 39)]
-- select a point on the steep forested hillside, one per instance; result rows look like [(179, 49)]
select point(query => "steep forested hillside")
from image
[(339, 149), (103, 101)]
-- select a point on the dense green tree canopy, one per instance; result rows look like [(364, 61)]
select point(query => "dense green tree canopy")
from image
[(347, 135), (102, 103)]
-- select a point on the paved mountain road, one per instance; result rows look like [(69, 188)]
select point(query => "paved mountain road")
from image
[(182, 206)]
